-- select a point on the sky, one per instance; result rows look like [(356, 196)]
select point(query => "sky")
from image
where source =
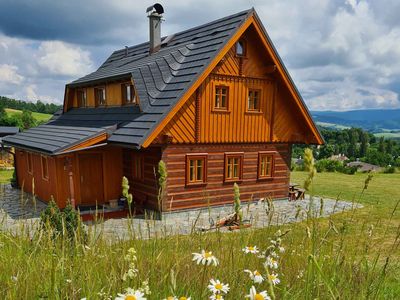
[(342, 54)]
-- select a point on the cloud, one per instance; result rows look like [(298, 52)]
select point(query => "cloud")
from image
[(61, 59), (9, 74), (342, 54)]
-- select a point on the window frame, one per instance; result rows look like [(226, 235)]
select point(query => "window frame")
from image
[(196, 157), (124, 94), (229, 155), (138, 172), (96, 99), (244, 47), (29, 162), (262, 154), (226, 107), (44, 159), (257, 109), (79, 100)]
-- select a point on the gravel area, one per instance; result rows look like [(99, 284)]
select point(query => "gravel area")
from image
[(19, 212)]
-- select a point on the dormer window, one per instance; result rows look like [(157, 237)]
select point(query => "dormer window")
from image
[(241, 48), (82, 100), (100, 96), (128, 93)]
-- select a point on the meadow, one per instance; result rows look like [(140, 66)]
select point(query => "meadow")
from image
[(40, 117), (352, 255)]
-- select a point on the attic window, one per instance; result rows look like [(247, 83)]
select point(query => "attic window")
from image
[(81, 96), (100, 96), (241, 48), (128, 93)]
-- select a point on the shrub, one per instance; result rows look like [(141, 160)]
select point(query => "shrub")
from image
[(64, 223), (389, 170), (327, 165)]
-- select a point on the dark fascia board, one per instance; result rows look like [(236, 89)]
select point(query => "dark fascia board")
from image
[(99, 81), (287, 72)]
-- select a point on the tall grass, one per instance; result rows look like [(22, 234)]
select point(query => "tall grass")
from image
[(329, 258)]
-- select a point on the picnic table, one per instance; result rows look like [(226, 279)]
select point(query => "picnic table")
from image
[(295, 192)]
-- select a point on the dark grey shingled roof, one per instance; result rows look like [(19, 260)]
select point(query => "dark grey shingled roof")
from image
[(161, 79), (7, 130)]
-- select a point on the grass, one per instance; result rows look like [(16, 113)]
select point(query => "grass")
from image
[(353, 255), (5, 176), (38, 116)]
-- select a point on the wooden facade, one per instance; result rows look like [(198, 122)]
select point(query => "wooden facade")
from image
[(235, 123)]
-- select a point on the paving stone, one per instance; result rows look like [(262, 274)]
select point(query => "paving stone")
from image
[(18, 211)]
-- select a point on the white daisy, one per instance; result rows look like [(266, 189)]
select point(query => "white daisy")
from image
[(250, 249), (274, 278), (216, 297), (205, 258), (131, 294), (255, 276), (271, 262), (254, 295), (217, 287)]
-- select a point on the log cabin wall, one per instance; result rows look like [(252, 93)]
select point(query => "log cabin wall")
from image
[(216, 191), (143, 188)]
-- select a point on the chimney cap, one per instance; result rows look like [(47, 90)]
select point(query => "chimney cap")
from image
[(158, 8)]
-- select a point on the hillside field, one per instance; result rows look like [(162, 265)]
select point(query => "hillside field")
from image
[(38, 116), (352, 255)]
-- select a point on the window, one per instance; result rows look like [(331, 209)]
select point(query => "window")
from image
[(81, 95), (253, 100), (45, 168), (221, 97), (128, 93), (30, 162), (233, 166), (265, 165), (138, 167), (100, 96), (241, 48), (196, 169)]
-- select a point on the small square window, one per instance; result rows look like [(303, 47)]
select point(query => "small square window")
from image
[(265, 165), (196, 169), (128, 93), (45, 168), (221, 97), (253, 100), (241, 48), (233, 166), (100, 96), (82, 100)]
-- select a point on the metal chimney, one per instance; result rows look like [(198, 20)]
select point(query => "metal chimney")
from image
[(155, 17)]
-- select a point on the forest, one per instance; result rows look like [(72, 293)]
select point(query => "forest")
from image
[(355, 143)]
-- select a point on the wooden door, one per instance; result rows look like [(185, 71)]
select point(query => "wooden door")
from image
[(91, 178)]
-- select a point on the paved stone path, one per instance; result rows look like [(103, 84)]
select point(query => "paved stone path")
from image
[(18, 211)]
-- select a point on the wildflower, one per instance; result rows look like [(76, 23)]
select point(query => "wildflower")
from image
[(216, 297), (274, 278), (250, 249), (217, 287), (255, 276), (145, 287), (271, 262), (131, 258), (131, 294), (273, 254), (281, 249), (254, 295), (14, 278), (205, 258)]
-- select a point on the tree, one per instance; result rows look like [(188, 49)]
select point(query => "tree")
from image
[(381, 146), (364, 138), (27, 119)]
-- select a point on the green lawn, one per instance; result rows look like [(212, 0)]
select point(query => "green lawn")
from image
[(5, 176), (352, 255), (38, 116)]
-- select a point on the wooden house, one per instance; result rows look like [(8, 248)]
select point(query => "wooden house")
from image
[(214, 102)]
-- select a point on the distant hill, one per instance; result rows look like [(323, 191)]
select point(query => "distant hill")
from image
[(40, 117), (374, 120)]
